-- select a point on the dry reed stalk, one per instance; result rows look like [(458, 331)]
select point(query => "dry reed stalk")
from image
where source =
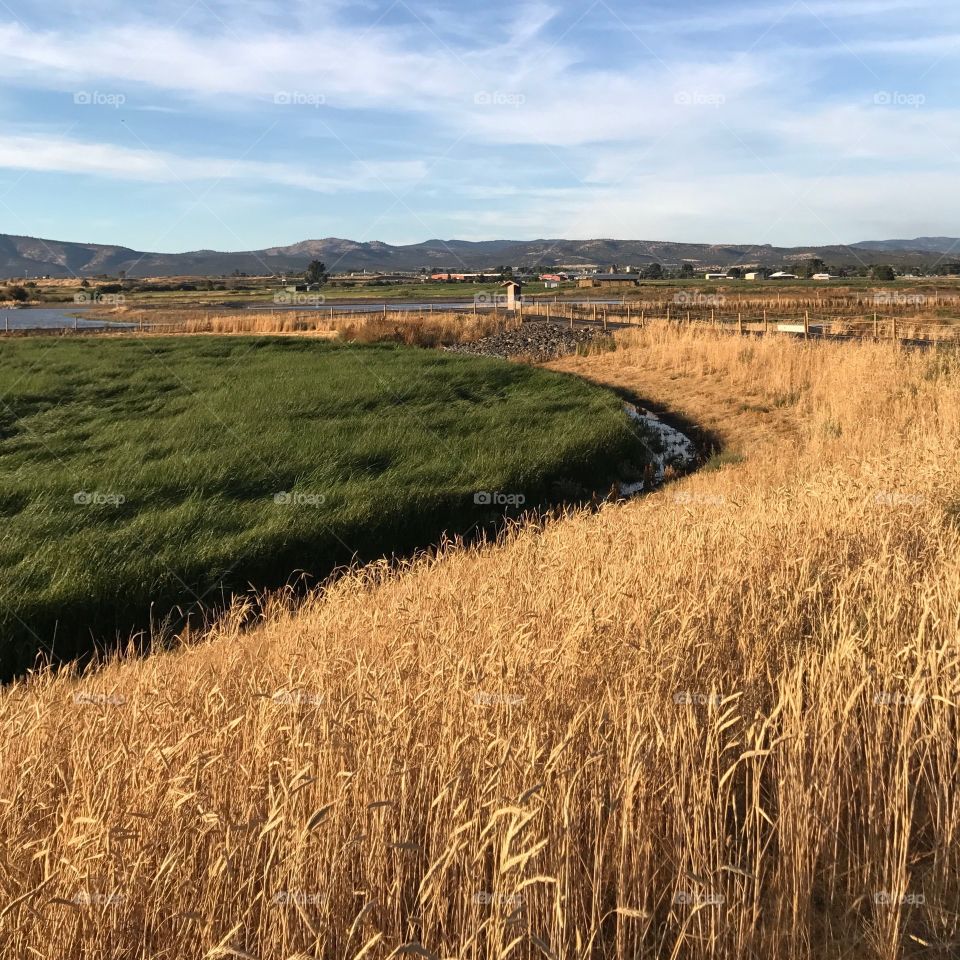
[(718, 721)]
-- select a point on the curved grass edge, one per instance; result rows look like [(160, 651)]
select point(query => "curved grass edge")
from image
[(63, 631)]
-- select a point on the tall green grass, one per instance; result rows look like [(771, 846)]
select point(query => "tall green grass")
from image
[(140, 476)]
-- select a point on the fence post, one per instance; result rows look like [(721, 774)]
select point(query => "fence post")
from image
[(876, 328), (806, 324), (740, 323), (765, 321), (894, 327)]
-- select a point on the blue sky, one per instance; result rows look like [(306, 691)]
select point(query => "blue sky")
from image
[(189, 124)]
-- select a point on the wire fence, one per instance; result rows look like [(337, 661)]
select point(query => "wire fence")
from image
[(483, 316)]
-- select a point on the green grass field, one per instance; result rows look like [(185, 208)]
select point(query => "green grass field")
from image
[(173, 471)]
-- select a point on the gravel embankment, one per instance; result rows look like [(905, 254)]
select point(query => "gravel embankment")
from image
[(538, 340)]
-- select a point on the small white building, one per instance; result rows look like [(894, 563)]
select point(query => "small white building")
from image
[(822, 276), (780, 275), (755, 275), (514, 290), (717, 276)]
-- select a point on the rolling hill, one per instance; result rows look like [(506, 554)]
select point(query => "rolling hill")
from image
[(32, 257)]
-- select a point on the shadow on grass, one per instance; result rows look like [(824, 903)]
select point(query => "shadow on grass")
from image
[(92, 628)]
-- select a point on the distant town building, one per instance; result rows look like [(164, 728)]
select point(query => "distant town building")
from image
[(463, 277), (780, 275), (822, 276), (610, 280), (716, 276)]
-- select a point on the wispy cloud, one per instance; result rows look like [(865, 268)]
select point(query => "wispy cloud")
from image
[(65, 155), (428, 117), (745, 16)]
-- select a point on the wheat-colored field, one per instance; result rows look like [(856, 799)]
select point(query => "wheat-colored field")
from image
[(422, 328), (896, 317), (717, 721)]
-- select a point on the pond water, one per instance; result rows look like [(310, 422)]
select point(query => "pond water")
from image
[(49, 318), (72, 317)]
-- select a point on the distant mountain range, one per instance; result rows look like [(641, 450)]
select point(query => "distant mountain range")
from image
[(935, 245), (32, 257)]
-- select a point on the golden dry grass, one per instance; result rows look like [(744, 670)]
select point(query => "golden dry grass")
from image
[(843, 314), (425, 329), (719, 721)]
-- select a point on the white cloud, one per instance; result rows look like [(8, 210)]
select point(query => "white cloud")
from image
[(894, 131), (771, 208), (64, 155), (332, 62), (752, 15), (691, 139), (521, 90)]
